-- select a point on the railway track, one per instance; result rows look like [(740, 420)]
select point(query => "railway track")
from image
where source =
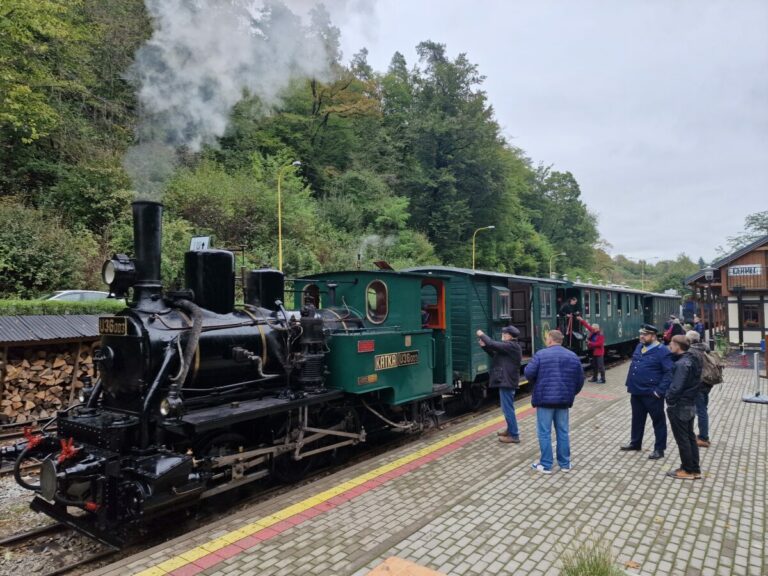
[(29, 541)]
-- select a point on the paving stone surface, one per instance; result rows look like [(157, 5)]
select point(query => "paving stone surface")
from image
[(481, 510)]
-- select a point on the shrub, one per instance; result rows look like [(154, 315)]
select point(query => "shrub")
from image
[(593, 558), (58, 307), (38, 254)]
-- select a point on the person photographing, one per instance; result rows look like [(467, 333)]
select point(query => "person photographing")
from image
[(506, 356)]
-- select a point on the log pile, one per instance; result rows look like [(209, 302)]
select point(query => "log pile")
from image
[(38, 382)]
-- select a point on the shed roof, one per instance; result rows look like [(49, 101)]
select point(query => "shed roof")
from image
[(15, 330)]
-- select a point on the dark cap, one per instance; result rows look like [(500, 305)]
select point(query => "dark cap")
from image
[(648, 329), (511, 330)]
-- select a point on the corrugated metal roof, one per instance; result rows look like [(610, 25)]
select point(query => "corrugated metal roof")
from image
[(40, 329)]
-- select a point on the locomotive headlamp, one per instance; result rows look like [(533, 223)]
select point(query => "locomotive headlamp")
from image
[(119, 273), (85, 394), (170, 406)]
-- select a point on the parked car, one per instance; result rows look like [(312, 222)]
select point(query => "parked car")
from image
[(77, 295)]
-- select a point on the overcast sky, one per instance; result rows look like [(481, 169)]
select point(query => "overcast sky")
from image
[(658, 108)]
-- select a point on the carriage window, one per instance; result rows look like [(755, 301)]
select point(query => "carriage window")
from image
[(608, 302), (432, 304), (545, 294), (587, 302), (500, 304), (597, 303), (311, 295), (376, 302), (637, 302)]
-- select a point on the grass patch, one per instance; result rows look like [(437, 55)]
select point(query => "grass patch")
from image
[(593, 558)]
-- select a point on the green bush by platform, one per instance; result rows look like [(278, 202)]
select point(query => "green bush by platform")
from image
[(57, 307)]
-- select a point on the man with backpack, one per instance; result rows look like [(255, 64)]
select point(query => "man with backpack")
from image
[(711, 374)]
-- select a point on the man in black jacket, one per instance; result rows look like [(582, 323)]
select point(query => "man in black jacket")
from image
[(681, 407), (505, 375)]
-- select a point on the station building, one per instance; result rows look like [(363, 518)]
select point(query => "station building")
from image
[(732, 294)]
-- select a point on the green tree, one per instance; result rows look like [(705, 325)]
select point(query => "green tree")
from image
[(39, 255), (557, 211), (755, 227)]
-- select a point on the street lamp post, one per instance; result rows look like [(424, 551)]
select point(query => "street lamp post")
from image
[(610, 270), (473, 242), (551, 258), (709, 276), (642, 275), (280, 212)]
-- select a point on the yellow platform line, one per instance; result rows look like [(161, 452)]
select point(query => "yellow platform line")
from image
[(193, 554)]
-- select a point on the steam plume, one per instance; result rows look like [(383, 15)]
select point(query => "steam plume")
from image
[(206, 55)]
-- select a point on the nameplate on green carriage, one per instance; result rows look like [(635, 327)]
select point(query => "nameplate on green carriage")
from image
[(113, 326), (396, 359)]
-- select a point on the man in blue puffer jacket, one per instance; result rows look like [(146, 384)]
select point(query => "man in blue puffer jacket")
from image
[(557, 376), (648, 380)]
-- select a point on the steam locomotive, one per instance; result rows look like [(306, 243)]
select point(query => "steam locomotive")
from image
[(195, 396)]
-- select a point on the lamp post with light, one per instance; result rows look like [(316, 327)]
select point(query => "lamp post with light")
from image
[(293, 164), (709, 276), (473, 241), (644, 262), (551, 258)]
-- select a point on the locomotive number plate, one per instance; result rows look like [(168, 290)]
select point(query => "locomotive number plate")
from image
[(396, 359), (113, 326)]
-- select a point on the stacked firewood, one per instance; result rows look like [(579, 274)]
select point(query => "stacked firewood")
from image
[(39, 382)]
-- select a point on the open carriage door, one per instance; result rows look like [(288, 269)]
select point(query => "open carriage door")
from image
[(434, 316), (520, 315), (575, 337)]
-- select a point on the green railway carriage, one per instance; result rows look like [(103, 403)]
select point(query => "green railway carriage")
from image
[(618, 310), (659, 307), (489, 301)]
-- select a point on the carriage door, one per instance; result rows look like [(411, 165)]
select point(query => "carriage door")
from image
[(520, 315), (433, 316)]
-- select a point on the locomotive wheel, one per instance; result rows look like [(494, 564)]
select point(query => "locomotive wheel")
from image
[(330, 417), (220, 445), (284, 467), (427, 416), (473, 395)]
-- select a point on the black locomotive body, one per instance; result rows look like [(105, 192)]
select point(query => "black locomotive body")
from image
[(193, 397)]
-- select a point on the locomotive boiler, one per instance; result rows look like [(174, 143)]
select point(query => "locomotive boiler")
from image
[(193, 395)]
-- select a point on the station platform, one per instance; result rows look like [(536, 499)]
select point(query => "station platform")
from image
[(458, 502)]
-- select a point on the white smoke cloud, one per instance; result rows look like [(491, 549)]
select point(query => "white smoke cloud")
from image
[(204, 56)]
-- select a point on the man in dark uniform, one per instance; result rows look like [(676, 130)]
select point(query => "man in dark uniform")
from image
[(569, 317), (505, 375), (647, 382)]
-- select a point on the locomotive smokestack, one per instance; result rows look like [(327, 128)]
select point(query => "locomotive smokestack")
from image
[(147, 230)]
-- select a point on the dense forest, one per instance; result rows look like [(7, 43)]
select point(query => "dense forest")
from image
[(401, 165)]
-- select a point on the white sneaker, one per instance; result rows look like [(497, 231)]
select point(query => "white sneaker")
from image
[(567, 469), (539, 468)]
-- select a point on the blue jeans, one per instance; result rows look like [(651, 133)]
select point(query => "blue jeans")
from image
[(507, 396), (545, 417), (702, 400)]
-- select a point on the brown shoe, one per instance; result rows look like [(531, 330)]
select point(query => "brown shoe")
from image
[(681, 474), (509, 439), (504, 432), (702, 443)]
